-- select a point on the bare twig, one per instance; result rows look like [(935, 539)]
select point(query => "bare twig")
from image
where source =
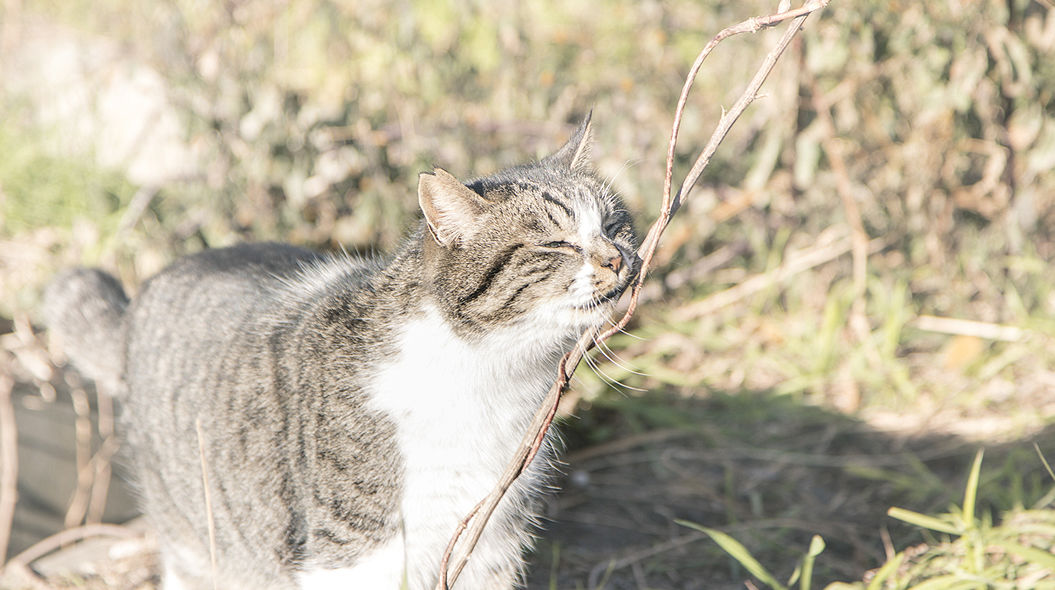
[(958, 327), (208, 502), (22, 575), (9, 457), (78, 507), (140, 201), (103, 469), (796, 263), (49, 544), (694, 273), (473, 524), (853, 211)]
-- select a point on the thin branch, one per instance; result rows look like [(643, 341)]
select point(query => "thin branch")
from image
[(103, 469), (208, 501), (976, 329), (473, 524), (796, 262), (23, 576), (78, 507), (845, 190), (49, 544), (9, 465)]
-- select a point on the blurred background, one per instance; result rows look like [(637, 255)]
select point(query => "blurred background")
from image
[(856, 297)]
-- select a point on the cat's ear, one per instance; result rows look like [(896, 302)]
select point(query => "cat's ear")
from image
[(451, 209), (575, 155)]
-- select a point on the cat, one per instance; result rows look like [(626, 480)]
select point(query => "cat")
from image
[(347, 412)]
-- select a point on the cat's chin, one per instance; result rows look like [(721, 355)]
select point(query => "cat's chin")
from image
[(572, 320)]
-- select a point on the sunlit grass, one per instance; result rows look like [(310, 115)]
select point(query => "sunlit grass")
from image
[(964, 549)]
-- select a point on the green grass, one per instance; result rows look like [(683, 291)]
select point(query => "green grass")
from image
[(43, 188), (964, 549)]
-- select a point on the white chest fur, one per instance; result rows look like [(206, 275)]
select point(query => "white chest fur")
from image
[(460, 411)]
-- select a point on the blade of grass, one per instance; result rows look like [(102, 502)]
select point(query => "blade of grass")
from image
[(738, 552), (816, 548), (946, 582), (554, 567), (970, 494), (1044, 460), (922, 520), (1038, 556), (795, 575), (888, 569)]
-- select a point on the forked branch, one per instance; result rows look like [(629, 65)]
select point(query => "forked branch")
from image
[(473, 524)]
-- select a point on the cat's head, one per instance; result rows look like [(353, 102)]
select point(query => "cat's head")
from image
[(547, 245)]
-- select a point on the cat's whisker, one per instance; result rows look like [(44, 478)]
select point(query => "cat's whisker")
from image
[(608, 379), (622, 330), (602, 348), (592, 364), (627, 164), (615, 359)]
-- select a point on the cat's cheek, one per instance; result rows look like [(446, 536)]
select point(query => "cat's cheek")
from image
[(581, 290), (568, 318)]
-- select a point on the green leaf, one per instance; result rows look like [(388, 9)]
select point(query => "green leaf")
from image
[(946, 582), (1044, 460), (816, 548), (970, 494), (1040, 557), (738, 552), (922, 520), (889, 568)]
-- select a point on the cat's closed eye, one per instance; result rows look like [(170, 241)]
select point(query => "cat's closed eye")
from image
[(560, 245)]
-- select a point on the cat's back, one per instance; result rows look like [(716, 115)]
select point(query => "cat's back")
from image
[(207, 294), (243, 270), (212, 353)]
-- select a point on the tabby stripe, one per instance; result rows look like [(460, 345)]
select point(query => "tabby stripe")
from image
[(544, 260), (517, 293), (496, 267), (548, 197), (328, 535)]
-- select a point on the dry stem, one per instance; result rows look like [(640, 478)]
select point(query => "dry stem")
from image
[(9, 465), (49, 544), (476, 520), (208, 501), (795, 263), (78, 506), (103, 469), (972, 328)]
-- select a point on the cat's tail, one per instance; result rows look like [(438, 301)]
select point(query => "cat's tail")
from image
[(84, 311)]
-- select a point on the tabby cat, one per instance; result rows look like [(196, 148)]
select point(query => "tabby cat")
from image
[(346, 412)]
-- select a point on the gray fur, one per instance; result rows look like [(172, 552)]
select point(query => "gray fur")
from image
[(269, 348), (85, 308)]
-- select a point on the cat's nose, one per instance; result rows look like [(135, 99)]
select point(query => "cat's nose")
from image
[(615, 263)]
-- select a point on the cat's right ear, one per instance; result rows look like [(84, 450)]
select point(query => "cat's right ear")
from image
[(575, 154), (451, 209)]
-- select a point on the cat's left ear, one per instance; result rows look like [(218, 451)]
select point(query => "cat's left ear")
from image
[(451, 209), (575, 155)]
